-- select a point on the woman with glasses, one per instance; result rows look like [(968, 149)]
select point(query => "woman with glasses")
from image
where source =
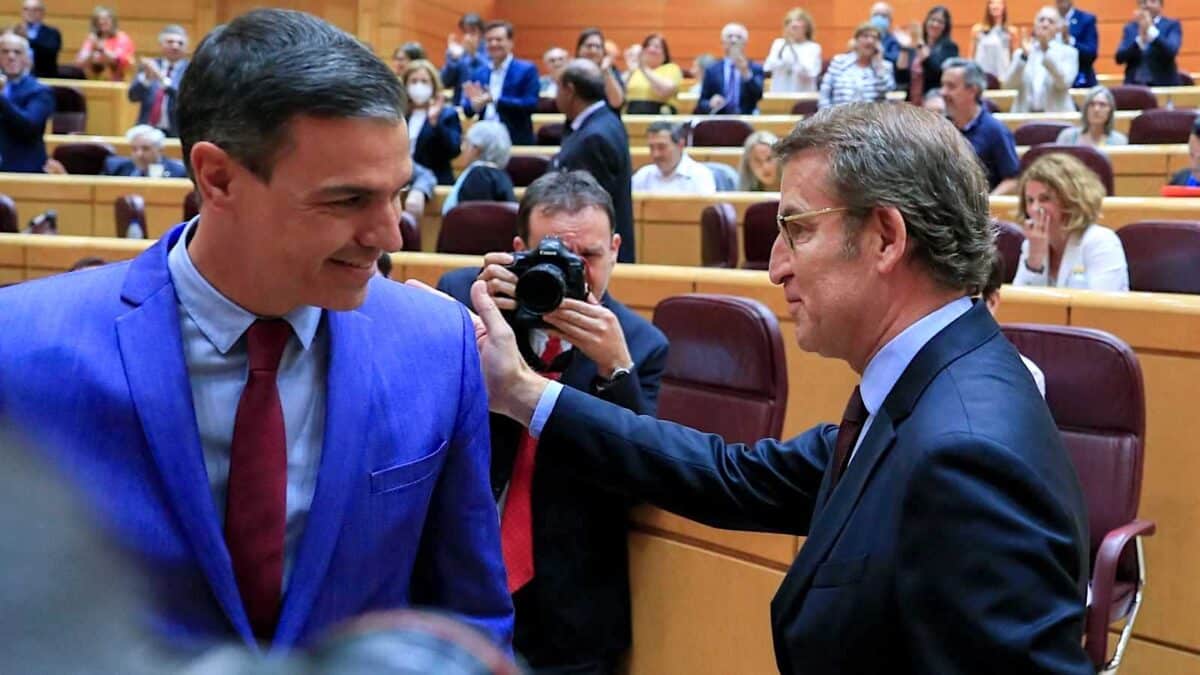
[(591, 46), (1095, 122)]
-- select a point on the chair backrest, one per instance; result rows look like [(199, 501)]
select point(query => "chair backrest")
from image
[(70, 72), (990, 105), (1091, 157), (191, 205), (993, 82), (70, 111), (806, 106), (1186, 80), (725, 176), (8, 215), (550, 134), (1162, 126), (759, 230), (84, 159), (726, 372), (1036, 133), (1163, 255), (547, 105), (1133, 97), (718, 236), (1009, 237), (709, 133), (524, 169), (476, 228), (410, 232), (128, 209)]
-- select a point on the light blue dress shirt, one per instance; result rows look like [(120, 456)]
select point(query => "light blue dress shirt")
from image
[(212, 327)]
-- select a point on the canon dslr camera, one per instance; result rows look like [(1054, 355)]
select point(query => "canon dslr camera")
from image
[(546, 276)]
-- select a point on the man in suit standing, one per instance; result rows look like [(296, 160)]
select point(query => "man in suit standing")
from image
[(464, 56), (733, 85), (25, 105), (45, 40), (156, 85), (283, 439), (946, 529), (1079, 31), (1149, 45), (505, 90), (572, 615), (595, 141)]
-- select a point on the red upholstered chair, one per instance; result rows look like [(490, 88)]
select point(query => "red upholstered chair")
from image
[(1186, 80), (716, 132), (191, 205), (1009, 237), (547, 105), (1037, 133), (1163, 255), (991, 106), (1091, 157), (718, 236), (1094, 391), (70, 72), (476, 228), (8, 215), (993, 82), (726, 373), (550, 134), (759, 229), (1162, 126), (410, 232), (83, 159), (127, 210), (805, 107), (70, 111), (524, 169), (1134, 97)]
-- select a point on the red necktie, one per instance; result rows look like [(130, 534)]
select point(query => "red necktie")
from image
[(256, 505), (852, 423), (516, 522), (160, 95)]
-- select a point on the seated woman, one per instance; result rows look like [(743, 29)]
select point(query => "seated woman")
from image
[(1059, 201), (759, 171), (107, 53), (1044, 68), (1190, 177), (1095, 122), (858, 76), (794, 60), (434, 130), (486, 148), (650, 86)]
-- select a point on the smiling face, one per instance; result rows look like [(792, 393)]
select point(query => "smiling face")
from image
[(33, 11), (796, 30), (652, 53), (499, 44), (866, 44), (174, 46), (592, 49), (1039, 196), (664, 152), (935, 27), (995, 10), (587, 234), (144, 152), (1046, 24), (104, 23)]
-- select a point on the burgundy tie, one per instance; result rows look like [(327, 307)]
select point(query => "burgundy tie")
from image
[(256, 505), (848, 431), (160, 95)]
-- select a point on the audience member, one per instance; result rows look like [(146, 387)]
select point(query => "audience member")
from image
[(993, 40), (1190, 177), (897, 45), (1149, 44), (571, 580), (1079, 31), (466, 55), (107, 52), (1095, 122), (933, 101), (146, 157), (591, 46), (654, 80), (936, 46), (45, 40), (485, 150), (1044, 68), (420, 190), (794, 60), (157, 82), (733, 85), (505, 90), (991, 296), (670, 170), (963, 83), (859, 76), (758, 170), (631, 56), (554, 59), (25, 105), (406, 54), (597, 143), (434, 130), (1059, 202)]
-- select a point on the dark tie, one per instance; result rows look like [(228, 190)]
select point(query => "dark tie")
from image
[(848, 431), (733, 89), (256, 505)]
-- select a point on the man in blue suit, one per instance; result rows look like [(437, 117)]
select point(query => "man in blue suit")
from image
[(733, 85), (506, 90), (25, 105), (156, 85), (1079, 31), (946, 529), (1149, 45), (283, 439), (466, 56)]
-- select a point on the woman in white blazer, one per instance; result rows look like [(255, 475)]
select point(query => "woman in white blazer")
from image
[(1043, 69), (794, 60)]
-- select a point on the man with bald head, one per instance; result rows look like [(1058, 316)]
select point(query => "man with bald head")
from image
[(25, 105)]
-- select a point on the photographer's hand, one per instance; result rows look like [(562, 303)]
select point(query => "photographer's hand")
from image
[(594, 330), (500, 282)]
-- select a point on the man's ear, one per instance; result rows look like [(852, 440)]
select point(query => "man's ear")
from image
[(615, 247), (213, 170), (518, 244), (892, 239)]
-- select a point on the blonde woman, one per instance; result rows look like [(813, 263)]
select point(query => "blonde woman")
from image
[(794, 60), (107, 52), (759, 171)]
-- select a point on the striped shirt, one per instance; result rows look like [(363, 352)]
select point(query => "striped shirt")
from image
[(848, 82)]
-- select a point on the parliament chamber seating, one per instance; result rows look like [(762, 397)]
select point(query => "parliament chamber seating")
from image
[(191, 205), (524, 169), (1037, 133), (475, 228), (1092, 158), (128, 209), (1009, 237), (70, 111), (1158, 127), (550, 134), (9, 223), (759, 229), (410, 232), (1163, 256), (717, 132), (718, 236), (83, 159), (1133, 97)]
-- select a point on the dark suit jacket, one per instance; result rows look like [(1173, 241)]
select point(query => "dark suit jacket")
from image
[(143, 94), (577, 606), (601, 147), (1181, 177), (956, 541), (438, 145), (518, 99), (23, 115), (1087, 43), (1159, 55), (45, 51), (714, 83), (124, 166)]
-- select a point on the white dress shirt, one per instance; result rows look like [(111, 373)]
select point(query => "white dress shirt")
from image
[(794, 68), (416, 122), (1096, 254), (689, 178), (496, 87)]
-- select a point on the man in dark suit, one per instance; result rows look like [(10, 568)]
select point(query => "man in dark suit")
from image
[(1079, 31), (156, 85), (573, 615), (733, 85), (946, 529), (1149, 45), (464, 56), (45, 40), (595, 141), (506, 89), (25, 105), (146, 153)]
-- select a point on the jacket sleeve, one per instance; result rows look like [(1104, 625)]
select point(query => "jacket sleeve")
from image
[(639, 391), (1088, 42), (139, 88), (1166, 45), (1128, 50), (708, 89), (525, 98), (447, 134), (28, 120), (752, 87)]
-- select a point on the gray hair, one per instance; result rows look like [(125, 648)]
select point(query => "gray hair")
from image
[(24, 42), (675, 130), (910, 159), (1093, 94), (152, 134), (563, 192), (747, 181), (973, 75), (173, 29), (492, 140)]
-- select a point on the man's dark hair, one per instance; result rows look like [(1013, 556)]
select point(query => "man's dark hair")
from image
[(585, 78), (493, 25), (249, 78), (563, 192), (995, 277), (413, 50), (470, 20), (675, 130)]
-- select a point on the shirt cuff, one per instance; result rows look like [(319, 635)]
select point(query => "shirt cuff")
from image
[(1151, 34), (545, 406)]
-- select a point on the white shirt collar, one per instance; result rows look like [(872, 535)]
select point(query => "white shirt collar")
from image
[(587, 112)]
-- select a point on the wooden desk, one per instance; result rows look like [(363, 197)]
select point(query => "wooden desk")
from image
[(1179, 97), (85, 203), (778, 104), (109, 111), (171, 147)]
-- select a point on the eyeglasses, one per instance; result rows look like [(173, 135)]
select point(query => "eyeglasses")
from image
[(783, 222)]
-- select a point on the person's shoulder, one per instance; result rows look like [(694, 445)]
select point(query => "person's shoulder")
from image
[(1117, 138), (1098, 235), (75, 299), (644, 173), (175, 168), (391, 301), (1068, 136), (116, 165), (457, 283), (1180, 177), (637, 328)]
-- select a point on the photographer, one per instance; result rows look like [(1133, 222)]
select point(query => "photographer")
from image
[(571, 591)]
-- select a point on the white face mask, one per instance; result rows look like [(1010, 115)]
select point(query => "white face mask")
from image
[(420, 92)]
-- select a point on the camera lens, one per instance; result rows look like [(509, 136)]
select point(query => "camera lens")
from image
[(541, 289)]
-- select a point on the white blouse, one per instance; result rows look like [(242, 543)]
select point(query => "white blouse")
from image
[(793, 67), (1093, 259)]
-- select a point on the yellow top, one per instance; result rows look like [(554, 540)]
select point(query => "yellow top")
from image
[(638, 87)]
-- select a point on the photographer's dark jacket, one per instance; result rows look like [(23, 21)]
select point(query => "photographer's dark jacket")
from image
[(576, 609)]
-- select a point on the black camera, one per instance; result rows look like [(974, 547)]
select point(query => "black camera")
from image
[(546, 276)]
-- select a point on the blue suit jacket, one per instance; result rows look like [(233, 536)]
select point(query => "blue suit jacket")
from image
[(143, 94), (1087, 43), (438, 145), (1159, 55), (956, 541), (124, 166), (23, 115), (402, 514), (714, 83), (518, 99)]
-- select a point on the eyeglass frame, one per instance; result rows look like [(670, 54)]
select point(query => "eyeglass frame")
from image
[(782, 221)]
